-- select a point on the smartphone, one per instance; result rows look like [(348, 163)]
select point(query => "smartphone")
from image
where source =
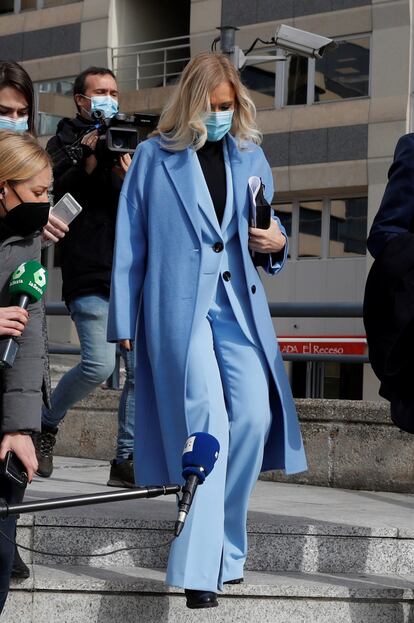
[(263, 210), (67, 208), (13, 469)]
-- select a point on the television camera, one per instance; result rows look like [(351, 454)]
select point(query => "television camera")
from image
[(121, 134)]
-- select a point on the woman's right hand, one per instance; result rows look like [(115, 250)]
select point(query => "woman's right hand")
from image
[(22, 446), (12, 321)]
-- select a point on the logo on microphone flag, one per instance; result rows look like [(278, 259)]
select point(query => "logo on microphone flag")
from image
[(40, 277), (18, 272), (189, 444)]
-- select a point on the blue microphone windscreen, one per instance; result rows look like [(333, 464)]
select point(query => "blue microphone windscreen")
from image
[(200, 452)]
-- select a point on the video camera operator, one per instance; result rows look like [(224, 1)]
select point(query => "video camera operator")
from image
[(86, 261)]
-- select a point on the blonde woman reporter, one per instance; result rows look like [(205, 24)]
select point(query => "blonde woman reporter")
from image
[(185, 286), (25, 176)]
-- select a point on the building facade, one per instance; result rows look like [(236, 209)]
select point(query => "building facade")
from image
[(330, 127)]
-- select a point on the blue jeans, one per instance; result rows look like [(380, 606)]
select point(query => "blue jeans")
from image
[(126, 409), (90, 315)]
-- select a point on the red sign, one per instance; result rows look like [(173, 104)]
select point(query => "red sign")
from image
[(323, 345)]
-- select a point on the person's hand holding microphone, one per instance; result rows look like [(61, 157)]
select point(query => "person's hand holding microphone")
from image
[(13, 320)]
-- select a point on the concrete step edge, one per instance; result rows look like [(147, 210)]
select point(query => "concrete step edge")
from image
[(257, 584), (294, 528)]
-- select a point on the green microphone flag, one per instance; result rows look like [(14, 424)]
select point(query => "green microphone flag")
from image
[(29, 279), (27, 285)]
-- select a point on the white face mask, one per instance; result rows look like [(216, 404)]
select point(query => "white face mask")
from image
[(16, 125)]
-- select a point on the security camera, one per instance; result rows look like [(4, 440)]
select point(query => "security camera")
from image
[(301, 42)]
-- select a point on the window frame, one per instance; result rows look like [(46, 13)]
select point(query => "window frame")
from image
[(281, 76), (40, 4), (346, 99), (325, 225)]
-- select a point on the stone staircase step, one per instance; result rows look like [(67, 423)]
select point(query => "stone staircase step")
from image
[(101, 595), (291, 528), (284, 547), (350, 444)]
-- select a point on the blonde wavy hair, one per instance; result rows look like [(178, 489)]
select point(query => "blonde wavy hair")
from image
[(181, 123), (21, 157)]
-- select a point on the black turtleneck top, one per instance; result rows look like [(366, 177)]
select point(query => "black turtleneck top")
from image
[(211, 160)]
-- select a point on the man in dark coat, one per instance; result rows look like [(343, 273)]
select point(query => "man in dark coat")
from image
[(86, 261), (389, 295)]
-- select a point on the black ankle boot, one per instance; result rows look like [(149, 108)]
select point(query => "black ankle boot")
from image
[(236, 581), (19, 570), (200, 599), (44, 443)]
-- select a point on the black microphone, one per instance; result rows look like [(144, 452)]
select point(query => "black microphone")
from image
[(200, 453)]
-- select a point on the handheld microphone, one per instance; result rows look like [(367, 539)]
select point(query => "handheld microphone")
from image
[(27, 285), (200, 453)]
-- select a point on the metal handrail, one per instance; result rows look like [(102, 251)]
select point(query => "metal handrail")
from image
[(164, 47), (206, 33), (277, 310), (315, 310)]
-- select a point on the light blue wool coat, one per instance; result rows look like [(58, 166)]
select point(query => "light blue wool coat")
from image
[(156, 287)]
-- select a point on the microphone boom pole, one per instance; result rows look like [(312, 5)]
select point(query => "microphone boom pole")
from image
[(83, 500)]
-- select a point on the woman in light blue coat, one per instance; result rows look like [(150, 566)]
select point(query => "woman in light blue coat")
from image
[(185, 287)]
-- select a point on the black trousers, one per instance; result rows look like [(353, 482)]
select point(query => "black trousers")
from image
[(13, 495)]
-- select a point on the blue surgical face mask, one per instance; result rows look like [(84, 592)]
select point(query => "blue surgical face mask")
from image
[(106, 103), (16, 125), (218, 124)]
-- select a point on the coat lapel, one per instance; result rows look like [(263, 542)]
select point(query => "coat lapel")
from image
[(180, 169)]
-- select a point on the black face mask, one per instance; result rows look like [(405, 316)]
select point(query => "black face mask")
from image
[(27, 217)]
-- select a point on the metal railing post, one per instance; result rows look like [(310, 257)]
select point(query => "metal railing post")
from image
[(164, 79)]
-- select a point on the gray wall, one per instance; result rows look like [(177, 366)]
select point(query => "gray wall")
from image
[(245, 12)]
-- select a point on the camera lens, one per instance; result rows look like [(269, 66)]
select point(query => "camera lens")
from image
[(98, 115), (117, 142)]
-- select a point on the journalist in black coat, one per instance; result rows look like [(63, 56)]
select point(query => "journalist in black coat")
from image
[(389, 295)]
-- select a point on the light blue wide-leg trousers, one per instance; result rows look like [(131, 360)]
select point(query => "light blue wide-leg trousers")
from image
[(227, 395)]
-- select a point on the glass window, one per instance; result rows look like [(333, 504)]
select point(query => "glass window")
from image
[(260, 79), (297, 80), (343, 381), (348, 227), (60, 87), (343, 72), (310, 228), (284, 212), (50, 3), (53, 109), (6, 6), (47, 124), (28, 5)]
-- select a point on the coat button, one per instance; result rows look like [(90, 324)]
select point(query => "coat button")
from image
[(226, 275), (218, 247), (253, 289)]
